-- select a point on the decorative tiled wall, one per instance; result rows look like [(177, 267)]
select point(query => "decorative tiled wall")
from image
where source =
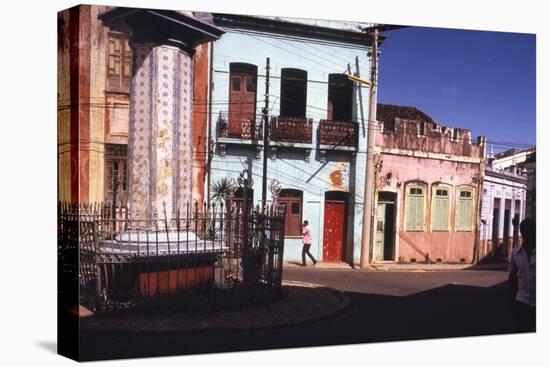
[(160, 152)]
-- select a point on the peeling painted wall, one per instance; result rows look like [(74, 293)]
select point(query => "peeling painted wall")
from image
[(437, 159), (86, 119), (342, 171)]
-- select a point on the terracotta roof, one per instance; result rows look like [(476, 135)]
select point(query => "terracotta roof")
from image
[(388, 113)]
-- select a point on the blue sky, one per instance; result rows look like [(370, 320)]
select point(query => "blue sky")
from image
[(483, 81)]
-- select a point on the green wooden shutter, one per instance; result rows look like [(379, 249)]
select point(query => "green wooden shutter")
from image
[(419, 213), (464, 213), (411, 212), (440, 213), (415, 208)]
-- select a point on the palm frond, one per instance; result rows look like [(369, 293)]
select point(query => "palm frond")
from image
[(220, 189)]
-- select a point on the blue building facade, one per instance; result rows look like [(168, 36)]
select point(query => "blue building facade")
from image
[(318, 123)]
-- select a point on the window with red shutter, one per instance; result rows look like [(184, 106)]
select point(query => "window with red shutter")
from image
[(242, 100)]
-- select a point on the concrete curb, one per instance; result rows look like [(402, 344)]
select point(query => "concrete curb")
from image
[(196, 323), (400, 267), (434, 267)]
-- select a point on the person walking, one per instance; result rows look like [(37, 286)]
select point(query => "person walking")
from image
[(521, 278), (307, 238)]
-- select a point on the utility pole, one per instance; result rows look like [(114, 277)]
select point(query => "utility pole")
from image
[(369, 170), (265, 112)]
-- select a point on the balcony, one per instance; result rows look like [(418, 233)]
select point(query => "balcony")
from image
[(337, 135), (291, 133), (291, 130), (248, 130), (249, 134)]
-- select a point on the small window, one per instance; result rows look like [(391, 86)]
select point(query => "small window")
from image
[(415, 191), (119, 66), (251, 85), (440, 209), (414, 203), (236, 84), (464, 210), (295, 208)]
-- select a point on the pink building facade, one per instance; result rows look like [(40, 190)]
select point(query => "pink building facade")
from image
[(428, 180)]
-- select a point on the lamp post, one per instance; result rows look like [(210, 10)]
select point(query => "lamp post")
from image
[(275, 188)]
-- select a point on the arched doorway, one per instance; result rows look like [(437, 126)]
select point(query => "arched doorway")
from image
[(335, 226)]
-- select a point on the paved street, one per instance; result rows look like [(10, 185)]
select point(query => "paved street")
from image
[(385, 306)]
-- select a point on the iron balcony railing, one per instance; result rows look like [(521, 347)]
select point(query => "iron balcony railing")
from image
[(291, 129), (338, 133), (250, 129)]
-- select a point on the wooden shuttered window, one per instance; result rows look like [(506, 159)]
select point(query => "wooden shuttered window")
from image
[(415, 208), (440, 209), (242, 100), (116, 175), (291, 203), (119, 63), (464, 210)]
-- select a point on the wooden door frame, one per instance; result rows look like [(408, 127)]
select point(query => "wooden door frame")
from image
[(337, 197), (396, 209), (243, 71)]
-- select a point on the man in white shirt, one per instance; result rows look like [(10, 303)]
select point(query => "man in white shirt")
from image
[(522, 277)]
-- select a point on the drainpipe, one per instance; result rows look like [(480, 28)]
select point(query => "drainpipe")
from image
[(482, 143)]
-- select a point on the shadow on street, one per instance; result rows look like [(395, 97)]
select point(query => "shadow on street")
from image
[(443, 312)]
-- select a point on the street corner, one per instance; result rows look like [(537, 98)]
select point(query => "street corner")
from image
[(302, 302)]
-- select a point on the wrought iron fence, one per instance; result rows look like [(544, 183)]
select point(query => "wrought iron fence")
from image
[(205, 257)]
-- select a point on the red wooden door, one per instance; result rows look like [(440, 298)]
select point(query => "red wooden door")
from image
[(334, 231), (242, 105)]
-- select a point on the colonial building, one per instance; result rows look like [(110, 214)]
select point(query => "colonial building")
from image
[(503, 208), (317, 118), (428, 182), (96, 66), (526, 161)]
